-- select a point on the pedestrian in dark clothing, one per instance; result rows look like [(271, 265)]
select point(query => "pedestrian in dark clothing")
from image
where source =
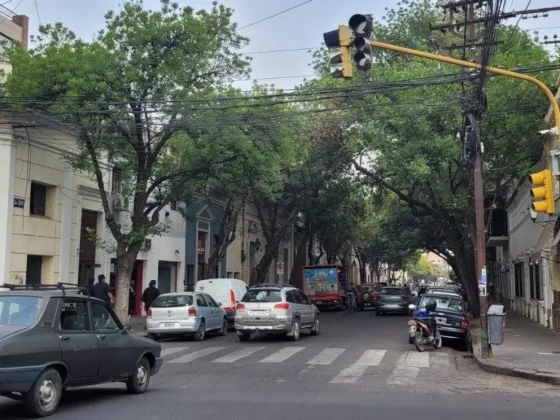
[(101, 289), (89, 286), (150, 294)]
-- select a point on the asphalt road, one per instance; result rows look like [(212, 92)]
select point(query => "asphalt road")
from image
[(360, 365)]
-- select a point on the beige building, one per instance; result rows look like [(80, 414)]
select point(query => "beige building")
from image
[(13, 28)]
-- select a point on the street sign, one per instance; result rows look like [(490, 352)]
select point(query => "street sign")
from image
[(483, 277)]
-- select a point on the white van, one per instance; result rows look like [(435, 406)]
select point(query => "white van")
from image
[(227, 292)]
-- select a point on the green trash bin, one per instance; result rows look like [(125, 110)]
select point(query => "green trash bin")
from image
[(496, 324)]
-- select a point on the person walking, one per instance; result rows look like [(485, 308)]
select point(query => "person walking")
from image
[(150, 294), (101, 289), (89, 286)]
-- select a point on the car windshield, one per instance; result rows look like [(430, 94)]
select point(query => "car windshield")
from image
[(19, 310), (443, 303), (391, 291), (260, 295), (172, 301)]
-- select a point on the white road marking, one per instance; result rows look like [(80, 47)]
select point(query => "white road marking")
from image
[(196, 355), (438, 359), (282, 355), (239, 354), (172, 350), (405, 374), (326, 357), (545, 354), (351, 374), (417, 359)]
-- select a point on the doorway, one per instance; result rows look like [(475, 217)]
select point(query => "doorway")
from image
[(86, 263), (167, 275)]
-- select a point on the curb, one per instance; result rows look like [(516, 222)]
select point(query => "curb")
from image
[(141, 333), (491, 366)]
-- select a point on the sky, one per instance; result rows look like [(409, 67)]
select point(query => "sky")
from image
[(300, 28)]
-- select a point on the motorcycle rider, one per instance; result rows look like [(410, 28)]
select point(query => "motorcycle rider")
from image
[(350, 294), (431, 307)]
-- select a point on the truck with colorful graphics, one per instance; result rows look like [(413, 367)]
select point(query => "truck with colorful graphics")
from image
[(324, 285)]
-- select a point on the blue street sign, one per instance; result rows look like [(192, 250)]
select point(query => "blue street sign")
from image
[(483, 277)]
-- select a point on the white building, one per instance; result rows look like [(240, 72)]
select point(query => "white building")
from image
[(13, 28)]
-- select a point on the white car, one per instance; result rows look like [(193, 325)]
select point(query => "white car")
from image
[(185, 313)]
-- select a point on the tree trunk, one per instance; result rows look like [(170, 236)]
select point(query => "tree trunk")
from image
[(299, 260), (363, 274), (125, 265), (261, 269), (310, 244)]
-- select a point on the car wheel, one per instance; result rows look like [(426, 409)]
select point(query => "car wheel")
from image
[(201, 332), (43, 398), (294, 334), (316, 329), (244, 337), (139, 381), (224, 329), (465, 344)]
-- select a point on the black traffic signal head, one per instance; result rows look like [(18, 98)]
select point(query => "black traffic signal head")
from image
[(331, 39), (361, 25)]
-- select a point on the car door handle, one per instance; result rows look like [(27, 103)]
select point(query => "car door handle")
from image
[(63, 337), (102, 337)]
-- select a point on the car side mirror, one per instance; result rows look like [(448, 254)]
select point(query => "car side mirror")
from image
[(127, 328), (219, 303)]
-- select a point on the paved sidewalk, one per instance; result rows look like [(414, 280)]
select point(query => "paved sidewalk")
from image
[(138, 324), (529, 351)]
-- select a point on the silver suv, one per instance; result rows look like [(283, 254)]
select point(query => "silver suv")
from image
[(275, 309)]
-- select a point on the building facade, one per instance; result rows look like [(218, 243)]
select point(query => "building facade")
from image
[(13, 29)]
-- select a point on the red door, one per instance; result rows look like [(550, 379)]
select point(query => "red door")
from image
[(135, 300)]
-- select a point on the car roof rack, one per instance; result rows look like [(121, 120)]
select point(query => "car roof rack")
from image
[(59, 286)]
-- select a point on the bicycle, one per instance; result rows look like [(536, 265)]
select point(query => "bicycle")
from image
[(351, 303)]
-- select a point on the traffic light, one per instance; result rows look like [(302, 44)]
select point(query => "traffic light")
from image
[(341, 61), (362, 27), (543, 192)]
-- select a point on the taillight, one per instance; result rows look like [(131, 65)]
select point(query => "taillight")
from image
[(464, 323), (149, 313), (283, 306), (192, 311), (232, 298), (376, 296), (240, 306)]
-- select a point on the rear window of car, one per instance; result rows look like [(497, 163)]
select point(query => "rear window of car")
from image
[(19, 310), (260, 295), (391, 291), (172, 301), (443, 303)]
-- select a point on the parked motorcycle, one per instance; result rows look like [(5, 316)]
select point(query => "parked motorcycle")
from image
[(423, 334)]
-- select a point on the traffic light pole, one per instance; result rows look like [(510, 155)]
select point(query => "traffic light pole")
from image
[(480, 257)]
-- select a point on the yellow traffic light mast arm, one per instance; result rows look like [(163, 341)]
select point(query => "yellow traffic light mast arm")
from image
[(495, 70)]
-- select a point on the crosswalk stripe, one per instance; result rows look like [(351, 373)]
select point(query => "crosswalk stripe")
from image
[(172, 350), (403, 374), (351, 374), (196, 355), (282, 355), (439, 359), (326, 357), (417, 359), (239, 354)]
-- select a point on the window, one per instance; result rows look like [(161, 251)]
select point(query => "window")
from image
[(297, 297), (535, 281), (519, 280), (19, 310), (200, 301), (116, 185), (38, 199), (74, 316), (443, 303), (290, 297), (260, 295), (303, 297), (211, 302), (34, 269), (103, 319), (172, 301), (393, 291)]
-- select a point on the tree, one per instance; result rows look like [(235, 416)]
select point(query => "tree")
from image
[(128, 95)]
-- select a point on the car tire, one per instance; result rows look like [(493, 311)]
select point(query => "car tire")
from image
[(316, 329), (224, 330), (244, 337), (465, 345), (294, 334), (201, 331), (140, 380), (43, 398)]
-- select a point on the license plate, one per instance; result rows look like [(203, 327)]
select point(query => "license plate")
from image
[(412, 330), (319, 302), (169, 325), (258, 313), (392, 306), (441, 320)]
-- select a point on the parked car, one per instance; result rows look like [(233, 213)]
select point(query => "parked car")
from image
[(276, 309), (57, 337), (451, 316), (186, 313), (226, 291), (392, 300), (368, 296)]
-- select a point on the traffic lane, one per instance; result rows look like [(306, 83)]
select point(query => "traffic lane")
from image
[(280, 401)]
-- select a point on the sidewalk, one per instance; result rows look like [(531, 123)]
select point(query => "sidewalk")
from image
[(529, 351), (138, 324)]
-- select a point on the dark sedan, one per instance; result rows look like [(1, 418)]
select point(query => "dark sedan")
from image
[(392, 300), (53, 338)]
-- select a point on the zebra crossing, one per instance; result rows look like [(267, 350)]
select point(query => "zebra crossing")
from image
[(348, 366)]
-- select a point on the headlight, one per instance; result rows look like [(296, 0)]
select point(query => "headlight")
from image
[(411, 323)]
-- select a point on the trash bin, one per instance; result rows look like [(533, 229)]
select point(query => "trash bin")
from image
[(496, 324)]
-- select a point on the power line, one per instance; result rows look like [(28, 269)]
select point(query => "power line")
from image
[(282, 50), (276, 14), (37, 10)]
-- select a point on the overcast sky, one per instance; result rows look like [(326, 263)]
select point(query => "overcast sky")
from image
[(301, 27)]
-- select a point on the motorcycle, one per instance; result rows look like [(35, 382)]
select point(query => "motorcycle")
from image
[(423, 334)]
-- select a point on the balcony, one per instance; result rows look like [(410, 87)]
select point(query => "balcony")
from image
[(498, 232)]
